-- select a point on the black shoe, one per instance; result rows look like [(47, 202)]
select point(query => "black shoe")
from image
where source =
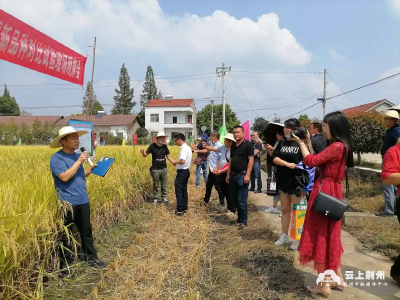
[(251, 190), (205, 203), (241, 226), (384, 214), (97, 263), (179, 213), (257, 192)]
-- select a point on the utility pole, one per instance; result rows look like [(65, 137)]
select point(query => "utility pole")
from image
[(92, 94), (221, 72), (324, 98), (212, 115)]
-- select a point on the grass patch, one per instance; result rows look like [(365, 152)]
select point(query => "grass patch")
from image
[(382, 238), (368, 164), (247, 264), (365, 196)]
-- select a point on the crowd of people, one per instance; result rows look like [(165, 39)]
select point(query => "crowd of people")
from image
[(233, 169)]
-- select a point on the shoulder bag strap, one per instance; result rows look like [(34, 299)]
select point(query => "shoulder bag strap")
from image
[(345, 170)]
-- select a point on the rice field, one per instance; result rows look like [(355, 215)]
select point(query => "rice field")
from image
[(30, 219)]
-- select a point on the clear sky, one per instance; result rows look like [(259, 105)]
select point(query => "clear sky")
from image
[(357, 42)]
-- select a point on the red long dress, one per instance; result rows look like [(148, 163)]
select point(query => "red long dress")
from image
[(320, 240)]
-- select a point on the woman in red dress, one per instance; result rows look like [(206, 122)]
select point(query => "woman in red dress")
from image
[(320, 241)]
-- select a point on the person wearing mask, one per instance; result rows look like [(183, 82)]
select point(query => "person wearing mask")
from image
[(70, 184), (182, 174), (240, 166), (318, 140), (201, 159), (256, 172), (270, 149), (221, 171), (158, 170), (286, 157), (391, 176), (213, 159), (320, 241), (392, 134)]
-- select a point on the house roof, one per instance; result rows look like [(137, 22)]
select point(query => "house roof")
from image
[(365, 107), (107, 120), (169, 103)]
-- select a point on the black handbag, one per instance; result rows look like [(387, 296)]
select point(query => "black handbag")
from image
[(328, 205)]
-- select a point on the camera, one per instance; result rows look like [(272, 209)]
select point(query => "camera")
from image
[(300, 132)]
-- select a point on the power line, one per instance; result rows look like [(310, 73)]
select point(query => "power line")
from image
[(132, 80), (244, 95), (105, 86), (364, 86), (278, 72), (303, 110), (341, 89)]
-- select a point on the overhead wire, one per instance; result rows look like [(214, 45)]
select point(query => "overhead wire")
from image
[(244, 96), (341, 89)]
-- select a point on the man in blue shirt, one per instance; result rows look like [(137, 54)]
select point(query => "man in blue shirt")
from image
[(70, 184), (213, 160), (392, 134)]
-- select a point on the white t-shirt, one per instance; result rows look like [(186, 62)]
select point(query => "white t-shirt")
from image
[(186, 154)]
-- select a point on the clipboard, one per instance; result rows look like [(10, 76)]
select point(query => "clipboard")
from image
[(103, 165)]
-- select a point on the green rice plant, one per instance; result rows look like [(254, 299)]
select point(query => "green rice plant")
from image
[(30, 218)]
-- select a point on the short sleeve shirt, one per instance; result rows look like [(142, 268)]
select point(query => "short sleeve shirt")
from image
[(186, 154), (391, 163), (240, 156), (203, 156), (74, 191), (257, 146), (225, 155), (158, 155)]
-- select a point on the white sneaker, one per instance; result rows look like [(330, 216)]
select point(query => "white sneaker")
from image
[(295, 245), (272, 210), (165, 200), (283, 239)]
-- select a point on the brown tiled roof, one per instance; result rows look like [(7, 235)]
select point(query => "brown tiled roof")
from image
[(362, 108), (108, 120), (169, 103), (28, 120)]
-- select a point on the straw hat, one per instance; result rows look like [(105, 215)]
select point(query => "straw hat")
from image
[(161, 134), (63, 132), (392, 114), (230, 137)]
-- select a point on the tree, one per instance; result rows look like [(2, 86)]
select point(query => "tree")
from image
[(8, 104), (160, 95), (25, 113), (149, 88), (303, 118), (141, 118), (367, 132), (142, 132), (124, 95), (277, 119), (259, 125), (204, 118), (91, 97)]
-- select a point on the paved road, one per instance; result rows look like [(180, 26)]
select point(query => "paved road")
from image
[(355, 258)]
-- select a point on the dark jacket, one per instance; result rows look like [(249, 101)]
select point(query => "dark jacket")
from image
[(392, 134), (319, 143)]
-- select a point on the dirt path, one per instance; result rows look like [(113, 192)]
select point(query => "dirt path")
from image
[(355, 258)]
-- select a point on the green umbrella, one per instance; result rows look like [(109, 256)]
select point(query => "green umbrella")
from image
[(222, 133)]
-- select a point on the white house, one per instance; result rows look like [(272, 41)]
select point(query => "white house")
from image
[(171, 116), (381, 106)]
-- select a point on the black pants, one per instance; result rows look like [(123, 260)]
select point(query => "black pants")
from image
[(80, 216), (181, 193), (212, 180), (226, 191)]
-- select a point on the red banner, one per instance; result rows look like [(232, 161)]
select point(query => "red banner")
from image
[(23, 45), (135, 139)]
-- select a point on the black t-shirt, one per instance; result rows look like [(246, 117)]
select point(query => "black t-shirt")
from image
[(319, 143), (240, 156), (257, 146), (158, 156), (288, 151)]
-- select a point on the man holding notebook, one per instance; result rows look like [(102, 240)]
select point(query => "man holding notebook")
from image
[(158, 170), (70, 184)]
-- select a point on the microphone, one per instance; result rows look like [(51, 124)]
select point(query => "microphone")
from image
[(89, 160)]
